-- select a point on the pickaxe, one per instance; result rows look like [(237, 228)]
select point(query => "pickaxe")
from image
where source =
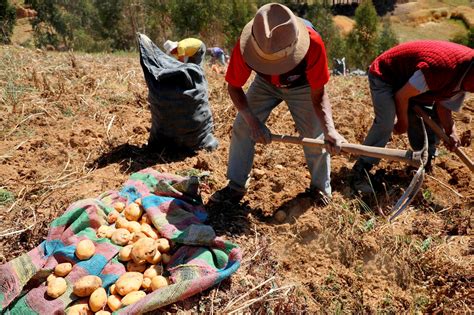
[(413, 158)]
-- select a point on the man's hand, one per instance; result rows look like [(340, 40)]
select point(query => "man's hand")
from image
[(454, 142), (333, 141), (401, 126), (259, 132)]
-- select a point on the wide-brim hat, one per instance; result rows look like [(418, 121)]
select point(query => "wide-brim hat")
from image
[(169, 46), (275, 40)]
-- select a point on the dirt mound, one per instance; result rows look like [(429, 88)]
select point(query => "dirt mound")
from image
[(73, 126)]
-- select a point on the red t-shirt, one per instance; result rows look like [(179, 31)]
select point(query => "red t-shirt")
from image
[(313, 69)]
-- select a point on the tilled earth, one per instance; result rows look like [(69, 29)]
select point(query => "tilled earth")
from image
[(75, 125)]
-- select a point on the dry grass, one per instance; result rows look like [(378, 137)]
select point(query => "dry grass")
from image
[(73, 125)]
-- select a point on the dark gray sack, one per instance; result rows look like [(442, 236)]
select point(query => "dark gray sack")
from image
[(177, 93)]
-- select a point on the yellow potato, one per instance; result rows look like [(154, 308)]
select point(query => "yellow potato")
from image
[(50, 278), (165, 258), (133, 212), (158, 282), (80, 307), (119, 206), (148, 230), (138, 201), (121, 237), (153, 271), (133, 297), (143, 250), (134, 226), (163, 245), (62, 270), (103, 313), (129, 282), (85, 249), (155, 259), (133, 266), (105, 231), (114, 302), (145, 219), (86, 285), (137, 236), (125, 253), (98, 299), (121, 223), (56, 287), (113, 289), (113, 216), (146, 284)]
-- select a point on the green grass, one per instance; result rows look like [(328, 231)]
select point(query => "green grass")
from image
[(6, 197)]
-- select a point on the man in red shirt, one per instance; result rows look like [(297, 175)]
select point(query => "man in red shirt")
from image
[(289, 59), (434, 74)]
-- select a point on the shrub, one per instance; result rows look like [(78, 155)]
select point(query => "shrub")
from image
[(7, 21)]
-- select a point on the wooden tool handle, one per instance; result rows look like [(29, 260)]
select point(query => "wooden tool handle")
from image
[(440, 133), (357, 149)]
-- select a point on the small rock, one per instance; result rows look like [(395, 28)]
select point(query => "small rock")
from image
[(280, 216), (279, 167), (258, 173)]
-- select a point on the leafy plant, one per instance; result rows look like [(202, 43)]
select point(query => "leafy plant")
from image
[(6, 197)]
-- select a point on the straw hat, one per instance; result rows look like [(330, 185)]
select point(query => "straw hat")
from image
[(169, 46), (275, 40)]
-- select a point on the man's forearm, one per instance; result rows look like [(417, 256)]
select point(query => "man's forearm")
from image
[(323, 110), (445, 118), (239, 99)]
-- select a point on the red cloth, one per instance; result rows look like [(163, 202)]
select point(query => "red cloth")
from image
[(443, 64), (313, 69)]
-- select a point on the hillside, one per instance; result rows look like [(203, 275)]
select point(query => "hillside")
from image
[(74, 125)]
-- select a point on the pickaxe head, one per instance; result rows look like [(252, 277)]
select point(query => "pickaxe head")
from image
[(415, 184)]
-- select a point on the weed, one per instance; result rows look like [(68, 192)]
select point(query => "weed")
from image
[(6, 197), (425, 245), (427, 195), (369, 225), (421, 302)]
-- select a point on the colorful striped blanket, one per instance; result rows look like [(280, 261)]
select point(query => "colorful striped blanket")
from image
[(201, 260)]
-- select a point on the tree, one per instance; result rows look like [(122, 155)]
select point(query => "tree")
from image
[(466, 40), (362, 40), (7, 21), (387, 38)]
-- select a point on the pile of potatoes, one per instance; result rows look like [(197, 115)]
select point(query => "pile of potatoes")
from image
[(143, 254)]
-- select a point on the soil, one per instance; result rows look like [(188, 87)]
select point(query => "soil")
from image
[(75, 125)]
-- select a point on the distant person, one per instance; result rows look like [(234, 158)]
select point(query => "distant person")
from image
[(217, 55), (290, 62), (434, 74), (187, 50)]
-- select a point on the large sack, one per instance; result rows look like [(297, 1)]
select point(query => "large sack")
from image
[(177, 93), (200, 261)]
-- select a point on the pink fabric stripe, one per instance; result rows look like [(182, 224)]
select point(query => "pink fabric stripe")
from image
[(38, 301)]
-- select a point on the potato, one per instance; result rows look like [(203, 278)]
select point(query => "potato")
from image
[(138, 201), (143, 250), (103, 313), (125, 253), (133, 297), (148, 230), (85, 249), (86, 285), (158, 282), (137, 236), (121, 223), (133, 212), (129, 282), (133, 266), (98, 299), (121, 236), (50, 278), (153, 271), (80, 307), (146, 284), (145, 219), (155, 259), (114, 302), (119, 206), (62, 270), (105, 231), (56, 287), (113, 289), (163, 245), (165, 258), (112, 217), (134, 226)]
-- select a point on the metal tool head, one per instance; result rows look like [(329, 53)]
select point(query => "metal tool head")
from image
[(415, 184)]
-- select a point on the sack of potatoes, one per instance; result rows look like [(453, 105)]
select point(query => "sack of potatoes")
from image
[(143, 254)]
